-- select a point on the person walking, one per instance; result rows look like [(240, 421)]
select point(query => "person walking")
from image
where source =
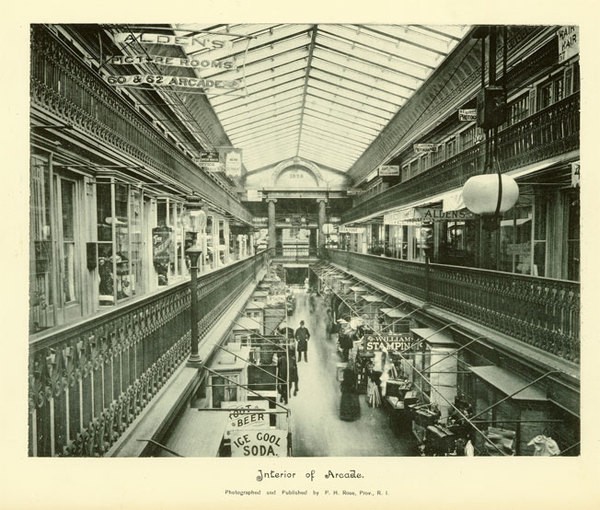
[(302, 336), (349, 404)]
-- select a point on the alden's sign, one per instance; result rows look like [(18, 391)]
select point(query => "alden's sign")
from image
[(429, 214)]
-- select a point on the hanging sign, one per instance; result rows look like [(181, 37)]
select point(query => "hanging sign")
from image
[(568, 42), (159, 80), (198, 41), (395, 342), (427, 214), (212, 156), (259, 443), (254, 195), (233, 163), (425, 147), (196, 63), (351, 230), (241, 416), (467, 114), (389, 170)]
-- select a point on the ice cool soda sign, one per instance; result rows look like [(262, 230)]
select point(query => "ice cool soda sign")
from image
[(259, 443)]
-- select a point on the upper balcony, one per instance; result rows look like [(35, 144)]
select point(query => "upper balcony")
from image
[(549, 133)]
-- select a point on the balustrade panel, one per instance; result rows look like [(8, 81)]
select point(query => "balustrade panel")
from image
[(541, 312), (90, 381), (545, 134)]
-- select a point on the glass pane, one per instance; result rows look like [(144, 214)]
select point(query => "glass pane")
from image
[(69, 294), (68, 216), (539, 259), (103, 211), (135, 243), (40, 266), (106, 274)]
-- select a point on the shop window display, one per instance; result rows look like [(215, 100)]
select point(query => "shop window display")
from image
[(119, 217)]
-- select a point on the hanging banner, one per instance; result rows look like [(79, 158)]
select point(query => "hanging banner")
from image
[(159, 80), (197, 42), (233, 162), (259, 443), (195, 63), (568, 42)]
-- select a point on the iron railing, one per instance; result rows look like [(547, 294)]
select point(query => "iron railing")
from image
[(541, 312), (64, 87), (543, 135), (88, 382)]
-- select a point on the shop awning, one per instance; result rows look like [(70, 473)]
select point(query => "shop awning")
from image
[(508, 383), (198, 433), (393, 313), (433, 337), (370, 298)]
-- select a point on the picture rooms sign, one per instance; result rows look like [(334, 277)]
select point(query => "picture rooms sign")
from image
[(208, 56)]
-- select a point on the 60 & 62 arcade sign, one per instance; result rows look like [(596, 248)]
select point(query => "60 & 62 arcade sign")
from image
[(393, 342)]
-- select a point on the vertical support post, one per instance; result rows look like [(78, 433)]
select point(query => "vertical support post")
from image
[(272, 232), (321, 221)]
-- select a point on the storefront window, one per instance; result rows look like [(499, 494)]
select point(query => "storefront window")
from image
[(40, 287), (539, 237), (56, 261), (224, 389), (120, 220), (573, 257), (515, 237)]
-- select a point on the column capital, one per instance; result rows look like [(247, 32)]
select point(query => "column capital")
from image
[(322, 200), (271, 200)]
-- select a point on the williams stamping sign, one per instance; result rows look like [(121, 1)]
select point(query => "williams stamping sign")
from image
[(392, 342)]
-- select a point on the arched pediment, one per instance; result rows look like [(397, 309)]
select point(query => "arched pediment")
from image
[(297, 171)]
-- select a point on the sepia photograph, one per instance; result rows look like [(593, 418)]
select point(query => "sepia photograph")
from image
[(319, 259)]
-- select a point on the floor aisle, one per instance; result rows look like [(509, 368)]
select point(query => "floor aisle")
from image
[(317, 430)]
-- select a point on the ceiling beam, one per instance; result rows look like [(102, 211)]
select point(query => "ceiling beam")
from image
[(311, 51)]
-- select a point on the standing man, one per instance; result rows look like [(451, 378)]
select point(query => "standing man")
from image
[(302, 335)]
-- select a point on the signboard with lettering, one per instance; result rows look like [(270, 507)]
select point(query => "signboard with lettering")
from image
[(196, 63), (240, 416), (402, 217), (351, 230), (259, 443), (254, 195), (425, 147), (233, 163), (394, 342), (199, 41), (210, 156), (160, 80), (430, 214), (568, 42), (389, 170), (467, 114)]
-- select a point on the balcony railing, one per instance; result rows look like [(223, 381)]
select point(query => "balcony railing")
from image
[(541, 312), (64, 87), (545, 134), (88, 382)]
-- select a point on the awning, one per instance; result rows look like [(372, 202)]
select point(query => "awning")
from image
[(509, 383), (433, 337), (198, 433)]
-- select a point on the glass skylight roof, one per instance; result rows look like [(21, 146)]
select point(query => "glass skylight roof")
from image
[(321, 92)]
